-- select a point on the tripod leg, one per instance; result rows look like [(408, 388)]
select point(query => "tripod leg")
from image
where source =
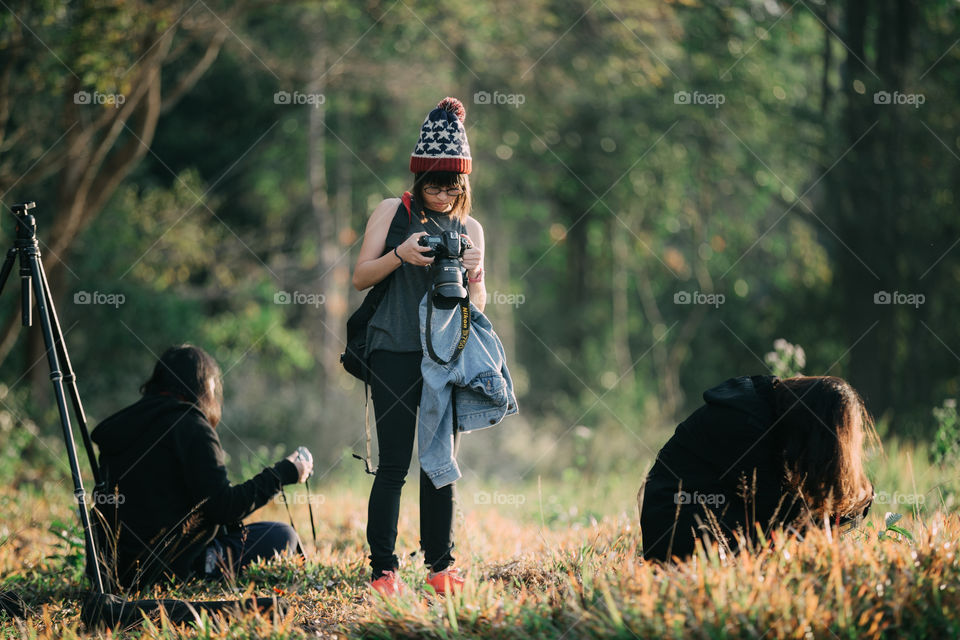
[(56, 377), (70, 378)]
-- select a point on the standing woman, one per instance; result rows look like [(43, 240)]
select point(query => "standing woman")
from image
[(441, 202)]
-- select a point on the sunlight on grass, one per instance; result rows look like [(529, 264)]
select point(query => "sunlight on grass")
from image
[(547, 560)]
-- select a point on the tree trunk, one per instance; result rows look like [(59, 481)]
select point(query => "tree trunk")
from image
[(339, 285), (620, 320), (324, 341), (91, 161), (864, 194)]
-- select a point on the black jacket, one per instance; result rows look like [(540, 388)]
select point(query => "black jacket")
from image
[(702, 467), (166, 490)]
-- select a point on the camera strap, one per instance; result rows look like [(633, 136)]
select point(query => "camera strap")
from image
[(464, 307), (283, 495)]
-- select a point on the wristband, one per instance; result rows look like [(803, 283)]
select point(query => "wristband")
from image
[(398, 256), (479, 277)]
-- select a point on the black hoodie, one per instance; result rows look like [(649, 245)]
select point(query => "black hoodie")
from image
[(166, 489), (703, 465)]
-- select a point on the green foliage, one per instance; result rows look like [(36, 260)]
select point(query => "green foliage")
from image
[(945, 449), (890, 521), (32, 455), (224, 211), (263, 456), (889, 531), (71, 554)]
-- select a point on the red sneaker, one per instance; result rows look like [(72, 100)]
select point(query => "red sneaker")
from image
[(388, 584), (446, 581)]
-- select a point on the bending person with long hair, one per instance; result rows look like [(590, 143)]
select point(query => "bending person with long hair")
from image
[(761, 450)]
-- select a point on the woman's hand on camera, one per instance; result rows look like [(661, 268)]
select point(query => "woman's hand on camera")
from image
[(302, 459), (471, 256), (412, 253)]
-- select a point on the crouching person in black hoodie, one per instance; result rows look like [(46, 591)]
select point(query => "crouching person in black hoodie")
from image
[(167, 509), (760, 451)]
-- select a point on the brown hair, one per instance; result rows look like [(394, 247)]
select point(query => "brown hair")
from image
[(183, 371), (462, 205), (823, 426)]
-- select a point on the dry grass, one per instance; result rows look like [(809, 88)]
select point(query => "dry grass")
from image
[(538, 567)]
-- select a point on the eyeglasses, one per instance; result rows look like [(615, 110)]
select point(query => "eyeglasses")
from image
[(453, 192)]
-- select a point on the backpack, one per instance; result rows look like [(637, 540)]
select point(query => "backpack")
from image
[(354, 357)]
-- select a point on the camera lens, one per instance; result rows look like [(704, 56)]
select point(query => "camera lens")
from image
[(448, 279)]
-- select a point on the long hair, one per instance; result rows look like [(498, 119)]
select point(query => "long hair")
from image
[(823, 426), (185, 371), (462, 205)]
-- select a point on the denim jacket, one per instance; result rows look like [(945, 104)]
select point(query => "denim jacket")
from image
[(477, 383)]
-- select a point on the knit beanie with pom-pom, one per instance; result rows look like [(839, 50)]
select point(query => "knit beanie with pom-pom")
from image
[(442, 145)]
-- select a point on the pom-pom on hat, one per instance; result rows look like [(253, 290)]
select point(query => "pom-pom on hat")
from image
[(442, 145)]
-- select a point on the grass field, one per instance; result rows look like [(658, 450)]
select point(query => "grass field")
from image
[(544, 559)]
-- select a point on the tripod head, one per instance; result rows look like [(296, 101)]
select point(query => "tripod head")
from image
[(26, 223), (21, 208), (25, 247)]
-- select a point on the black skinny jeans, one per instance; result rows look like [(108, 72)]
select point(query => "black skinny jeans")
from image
[(395, 388)]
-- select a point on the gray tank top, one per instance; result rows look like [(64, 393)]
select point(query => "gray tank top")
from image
[(395, 326)]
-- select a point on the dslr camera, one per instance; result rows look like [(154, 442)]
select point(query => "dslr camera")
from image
[(447, 270)]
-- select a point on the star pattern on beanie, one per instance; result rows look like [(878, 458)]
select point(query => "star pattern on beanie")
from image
[(442, 145)]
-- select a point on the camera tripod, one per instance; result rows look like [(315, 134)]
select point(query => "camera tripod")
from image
[(100, 607)]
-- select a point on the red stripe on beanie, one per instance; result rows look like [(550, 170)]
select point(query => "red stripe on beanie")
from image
[(420, 164)]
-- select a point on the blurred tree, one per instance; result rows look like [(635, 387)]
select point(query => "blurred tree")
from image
[(603, 195), (891, 196), (96, 70)]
